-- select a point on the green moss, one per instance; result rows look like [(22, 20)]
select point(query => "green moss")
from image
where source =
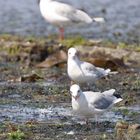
[(129, 113), (70, 42), (16, 135), (135, 47), (8, 37), (14, 50), (125, 111), (30, 38), (122, 45), (133, 114), (136, 84)]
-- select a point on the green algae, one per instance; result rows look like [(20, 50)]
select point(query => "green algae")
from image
[(75, 41), (16, 135)]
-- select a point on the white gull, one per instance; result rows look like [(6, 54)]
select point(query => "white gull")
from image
[(83, 72), (63, 15), (89, 104)]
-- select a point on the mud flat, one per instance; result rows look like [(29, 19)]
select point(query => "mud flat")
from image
[(34, 89)]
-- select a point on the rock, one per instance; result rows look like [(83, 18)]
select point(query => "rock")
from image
[(122, 125), (133, 128), (125, 131), (113, 64), (26, 78), (113, 58), (58, 58)]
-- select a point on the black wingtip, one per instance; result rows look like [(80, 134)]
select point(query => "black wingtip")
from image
[(117, 95)]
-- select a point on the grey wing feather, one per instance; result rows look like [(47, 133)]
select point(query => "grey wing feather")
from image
[(102, 103), (109, 94), (68, 12), (72, 13), (91, 69)]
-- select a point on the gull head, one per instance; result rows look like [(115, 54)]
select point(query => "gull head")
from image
[(72, 53), (75, 91)]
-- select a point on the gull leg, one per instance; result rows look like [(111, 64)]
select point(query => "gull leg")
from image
[(96, 120), (87, 122), (61, 35), (96, 123), (88, 85)]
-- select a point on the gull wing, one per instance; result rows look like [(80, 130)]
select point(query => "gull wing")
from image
[(109, 92), (89, 69), (97, 100), (102, 103), (71, 13)]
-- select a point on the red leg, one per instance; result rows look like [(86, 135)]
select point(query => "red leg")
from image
[(61, 35)]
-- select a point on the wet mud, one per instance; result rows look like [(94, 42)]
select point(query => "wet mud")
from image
[(35, 103)]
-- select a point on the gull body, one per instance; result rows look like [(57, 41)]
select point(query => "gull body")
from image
[(83, 72), (90, 104), (63, 15)]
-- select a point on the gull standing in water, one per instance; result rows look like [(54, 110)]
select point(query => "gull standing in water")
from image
[(83, 72), (63, 15), (89, 104)]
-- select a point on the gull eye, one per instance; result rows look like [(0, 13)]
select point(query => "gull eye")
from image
[(78, 91)]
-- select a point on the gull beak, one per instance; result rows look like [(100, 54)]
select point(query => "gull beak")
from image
[(76, 97), (76, 55)]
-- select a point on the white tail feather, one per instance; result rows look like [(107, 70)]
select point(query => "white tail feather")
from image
[(109, 92), (117, 100), (107, 71), (99, 19)]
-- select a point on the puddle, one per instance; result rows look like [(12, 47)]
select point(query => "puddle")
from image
[(20, 103), (21, 114), (49, 104)]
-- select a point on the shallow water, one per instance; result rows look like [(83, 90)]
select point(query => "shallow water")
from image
[(22, 114), (122, 19), (42, 109), (21, 102), (50, 99)]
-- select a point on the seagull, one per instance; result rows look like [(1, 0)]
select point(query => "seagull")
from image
[(82, 72), (62, 15), (89, 104)]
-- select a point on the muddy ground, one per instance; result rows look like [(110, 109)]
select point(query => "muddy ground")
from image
[(35, 103)]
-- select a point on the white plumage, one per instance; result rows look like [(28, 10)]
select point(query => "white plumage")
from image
[(63, 15), (90, 104), (81, 71)]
